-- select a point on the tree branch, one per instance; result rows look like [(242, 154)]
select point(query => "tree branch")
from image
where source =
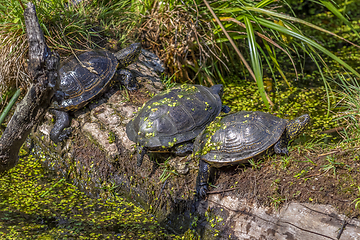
[(43, 69)]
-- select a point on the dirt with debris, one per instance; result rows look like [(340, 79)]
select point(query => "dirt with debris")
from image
[(304, 176)]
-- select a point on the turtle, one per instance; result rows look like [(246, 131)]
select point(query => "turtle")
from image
[(171, 120), (84, 77), (238, 137)]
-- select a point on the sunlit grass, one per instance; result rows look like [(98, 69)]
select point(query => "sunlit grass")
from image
[(67, 27), (349, 104)]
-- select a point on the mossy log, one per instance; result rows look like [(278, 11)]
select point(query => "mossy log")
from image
[(43, 69)]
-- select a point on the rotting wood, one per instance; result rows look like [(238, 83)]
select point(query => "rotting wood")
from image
[(43, 69)]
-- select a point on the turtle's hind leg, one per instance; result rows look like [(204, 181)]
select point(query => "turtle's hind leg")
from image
[(183, 149), (62, 121), (204, 172)]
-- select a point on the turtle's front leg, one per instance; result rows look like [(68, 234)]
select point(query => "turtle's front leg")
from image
[(204, 172), (127, 79), (281, 146), (225, 109), (62, 121), (141, 151)]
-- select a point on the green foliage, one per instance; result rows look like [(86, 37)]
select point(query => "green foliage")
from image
[(9, 106), (285, 36), (350, 9), (284, 162), (332, 164), (111, 137), (349, 105), (167, 171), (276, 201), (255, 164), (357, 200), (67, 25), (191, 48)]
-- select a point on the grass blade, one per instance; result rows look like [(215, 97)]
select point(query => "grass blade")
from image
[(287, 17), (264, 3), (306, 40), (336, 12), (255, 60), (10, 104)]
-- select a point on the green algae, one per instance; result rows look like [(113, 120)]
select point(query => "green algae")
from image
[(36, 205), (289, 103)]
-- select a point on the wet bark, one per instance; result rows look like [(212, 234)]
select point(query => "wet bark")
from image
[(43, 70)]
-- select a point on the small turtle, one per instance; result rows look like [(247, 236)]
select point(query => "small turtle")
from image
[(84, 77), (172, 119), (241, 136)]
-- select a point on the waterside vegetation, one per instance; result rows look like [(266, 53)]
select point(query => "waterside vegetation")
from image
[(263, 57)]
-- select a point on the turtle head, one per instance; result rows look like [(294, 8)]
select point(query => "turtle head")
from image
[(296, 126), (218, 89), (128, 55)]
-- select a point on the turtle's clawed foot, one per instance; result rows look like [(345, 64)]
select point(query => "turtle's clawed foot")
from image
[(202, 191), (65, 134), (225, 109), (280, 150), (59, 136)]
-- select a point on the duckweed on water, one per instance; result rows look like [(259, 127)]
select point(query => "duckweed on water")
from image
[(289, 103), (35, 206)]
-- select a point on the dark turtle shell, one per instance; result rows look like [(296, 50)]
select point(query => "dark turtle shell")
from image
[(174, 116), (81, 80), (238, 137)]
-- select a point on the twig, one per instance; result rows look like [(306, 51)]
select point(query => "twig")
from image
[(339, 151), (52, 187), (158, 202), (221, 191), (329, 153), (22, 5), (344, 223), (315, 175)]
